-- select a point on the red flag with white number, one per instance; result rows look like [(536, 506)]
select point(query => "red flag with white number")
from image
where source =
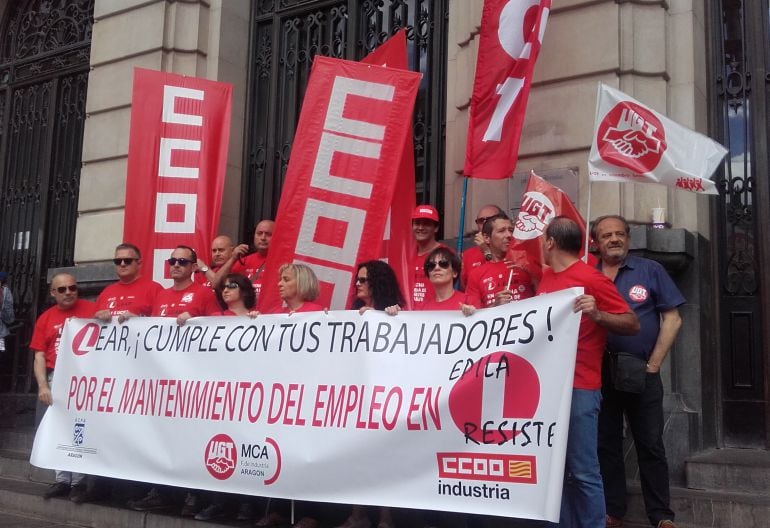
[(509, 42), (540, 203)]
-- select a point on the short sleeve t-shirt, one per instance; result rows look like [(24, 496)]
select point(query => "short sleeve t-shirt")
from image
[(135, 297), (194, 299), (48, 328), (472, 259), (591, 337), (453, 303), (252, 267), (492, 277)]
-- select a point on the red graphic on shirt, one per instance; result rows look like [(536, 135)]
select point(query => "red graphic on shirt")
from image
[(631, 136), (638, 293), (491, 394)]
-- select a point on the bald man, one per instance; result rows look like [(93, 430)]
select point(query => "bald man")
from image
[(254, 263), (223, 262), (44, 344)]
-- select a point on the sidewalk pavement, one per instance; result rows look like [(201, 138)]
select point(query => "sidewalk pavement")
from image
[(15, 520)]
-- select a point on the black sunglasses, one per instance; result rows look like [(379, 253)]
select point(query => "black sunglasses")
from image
[(231, 286), (480, 221), (72, 287), (124, 261), (181, 261), (443, 264), (361, 280)]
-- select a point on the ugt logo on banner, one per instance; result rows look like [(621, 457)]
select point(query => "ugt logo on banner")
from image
[(177, 153), (511, 34)]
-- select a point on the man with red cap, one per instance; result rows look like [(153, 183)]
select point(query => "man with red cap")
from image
[(424, 229)]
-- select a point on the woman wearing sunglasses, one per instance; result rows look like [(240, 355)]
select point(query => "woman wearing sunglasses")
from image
[(442, 267), (236, 295), (376, 289)]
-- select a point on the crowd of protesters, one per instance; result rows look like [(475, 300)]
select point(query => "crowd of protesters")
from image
[(438, 279)]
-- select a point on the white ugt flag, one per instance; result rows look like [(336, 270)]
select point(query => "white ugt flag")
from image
[(633, 143)]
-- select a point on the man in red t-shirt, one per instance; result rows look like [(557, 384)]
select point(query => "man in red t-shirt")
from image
[(184, 299), (424, 229), (603, 310), (45, 345), (223, 262), (132, 291), (254, 263), (479, 254), (497, 281)]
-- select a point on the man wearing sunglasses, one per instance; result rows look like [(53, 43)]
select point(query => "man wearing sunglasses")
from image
[(132, 292), (479, 254), (44, 344), (498, 281), (184, 299)]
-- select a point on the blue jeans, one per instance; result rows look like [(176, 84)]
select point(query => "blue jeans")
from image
[(582, 499)]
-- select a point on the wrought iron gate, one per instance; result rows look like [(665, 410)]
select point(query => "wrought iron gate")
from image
[(44, 63), (287, 34), (740, 118)]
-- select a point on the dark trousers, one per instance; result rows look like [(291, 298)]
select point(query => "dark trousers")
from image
[(644, 413)]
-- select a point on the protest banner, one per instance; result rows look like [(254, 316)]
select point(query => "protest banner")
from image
[(427, 410), (509, 42), (342, 174), (177, 153), (635, 144)]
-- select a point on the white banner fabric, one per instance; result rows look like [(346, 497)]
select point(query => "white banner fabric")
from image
[(635, 144), (428, 410)]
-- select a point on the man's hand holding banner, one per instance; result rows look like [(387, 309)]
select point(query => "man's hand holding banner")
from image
[(427, 410)]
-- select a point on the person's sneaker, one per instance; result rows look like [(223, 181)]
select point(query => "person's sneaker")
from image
[(79, 493), (613, 522), (666, 523), (192, 505), (152, 501), (57, 489), (212, 511), (246, 512)]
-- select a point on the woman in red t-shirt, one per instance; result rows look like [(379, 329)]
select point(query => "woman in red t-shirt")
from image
[(298, 288), (442, 267), (236, 295)]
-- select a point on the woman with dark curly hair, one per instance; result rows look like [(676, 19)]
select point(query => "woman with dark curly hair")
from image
[(236, 295), (377, 288)]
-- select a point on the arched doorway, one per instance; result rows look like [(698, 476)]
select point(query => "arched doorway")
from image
[(44, 61)]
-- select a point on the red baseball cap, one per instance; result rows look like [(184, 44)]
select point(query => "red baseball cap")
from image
[(425, 212)]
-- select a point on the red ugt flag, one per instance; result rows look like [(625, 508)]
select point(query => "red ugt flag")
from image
[(511, 33), (540, 203)]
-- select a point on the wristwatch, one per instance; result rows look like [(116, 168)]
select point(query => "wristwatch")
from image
[(204, 269)]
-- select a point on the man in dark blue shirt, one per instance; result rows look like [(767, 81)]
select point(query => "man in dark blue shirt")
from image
[(651, 293)]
